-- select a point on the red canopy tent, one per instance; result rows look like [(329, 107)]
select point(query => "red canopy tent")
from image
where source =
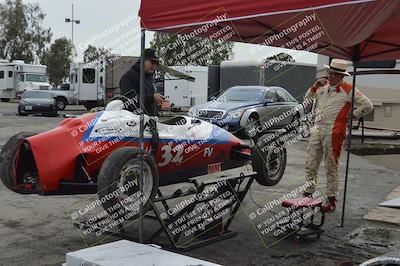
[(358, 30), (368, 23)]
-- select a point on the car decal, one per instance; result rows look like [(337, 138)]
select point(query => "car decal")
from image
[(92, 123), (217, 136)]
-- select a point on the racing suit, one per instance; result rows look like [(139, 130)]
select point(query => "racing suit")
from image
[(333, 104)]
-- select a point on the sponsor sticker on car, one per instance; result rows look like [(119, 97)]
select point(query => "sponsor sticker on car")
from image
[(214, 168)]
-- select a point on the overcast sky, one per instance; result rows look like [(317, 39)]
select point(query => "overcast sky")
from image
[(115, 25)]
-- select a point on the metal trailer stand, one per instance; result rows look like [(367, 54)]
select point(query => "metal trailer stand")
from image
[(300, 221), (218, 227), (213, 228)]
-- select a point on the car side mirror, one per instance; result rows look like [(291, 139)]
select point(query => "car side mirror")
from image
[(269, 100)]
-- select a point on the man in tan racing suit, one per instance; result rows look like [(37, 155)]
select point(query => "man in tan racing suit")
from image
[(333, 103)]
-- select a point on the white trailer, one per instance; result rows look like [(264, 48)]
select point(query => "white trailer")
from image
[(91, 84), (184, 93), (17, 77), (88, 83)]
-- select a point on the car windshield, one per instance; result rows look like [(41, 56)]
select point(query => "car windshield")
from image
[(242, 95), (65, 87), (37, 94), (35, 78)]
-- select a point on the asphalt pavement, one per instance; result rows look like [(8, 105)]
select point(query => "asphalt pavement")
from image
[(38, 230)]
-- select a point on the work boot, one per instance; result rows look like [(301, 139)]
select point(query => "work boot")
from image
[(330, 206)]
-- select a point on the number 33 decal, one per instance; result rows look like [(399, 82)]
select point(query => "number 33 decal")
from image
[(168, 157)]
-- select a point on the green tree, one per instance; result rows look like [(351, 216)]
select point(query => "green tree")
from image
[(58, 60), (93, 53), (284, 57), (22, 35), (175, 49)]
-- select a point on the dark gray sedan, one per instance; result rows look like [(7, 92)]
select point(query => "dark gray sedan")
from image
[(251, 108), (37, 102)]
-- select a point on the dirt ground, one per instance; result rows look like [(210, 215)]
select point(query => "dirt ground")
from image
[(38, 230)]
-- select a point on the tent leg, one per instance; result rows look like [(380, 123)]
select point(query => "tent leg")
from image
[(141, 127), (350, 127)]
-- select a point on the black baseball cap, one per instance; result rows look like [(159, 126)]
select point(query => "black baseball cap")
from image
[(150, 54)]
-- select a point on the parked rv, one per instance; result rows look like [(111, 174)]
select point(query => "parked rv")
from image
[(88, 83), (17, 77)]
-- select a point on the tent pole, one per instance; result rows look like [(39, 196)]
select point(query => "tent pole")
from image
[(356, 56), (141, 129)]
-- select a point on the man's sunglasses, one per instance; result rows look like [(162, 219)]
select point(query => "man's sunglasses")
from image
[(154, 62)]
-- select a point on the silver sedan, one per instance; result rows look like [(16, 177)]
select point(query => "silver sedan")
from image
[(254, 109)]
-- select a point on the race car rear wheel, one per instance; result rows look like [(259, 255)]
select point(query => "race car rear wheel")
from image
[(269, 163), (8, 158), (118, 185)]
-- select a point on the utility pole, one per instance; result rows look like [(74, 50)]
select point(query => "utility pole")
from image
[(72, 20)]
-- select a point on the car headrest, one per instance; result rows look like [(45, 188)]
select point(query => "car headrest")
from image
[(115, 105)]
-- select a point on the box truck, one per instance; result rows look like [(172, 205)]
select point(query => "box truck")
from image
[(17, 76)]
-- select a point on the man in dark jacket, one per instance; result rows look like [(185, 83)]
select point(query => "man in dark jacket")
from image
[(130, 84)]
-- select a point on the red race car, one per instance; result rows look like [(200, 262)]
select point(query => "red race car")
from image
[(99, 152)]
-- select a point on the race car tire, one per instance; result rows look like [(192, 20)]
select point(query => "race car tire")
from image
[(118, 183), (7, 158), (268, 162)]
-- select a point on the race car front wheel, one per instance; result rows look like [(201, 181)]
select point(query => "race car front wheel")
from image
[(118, 184), (8, 159), (269, 161)]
